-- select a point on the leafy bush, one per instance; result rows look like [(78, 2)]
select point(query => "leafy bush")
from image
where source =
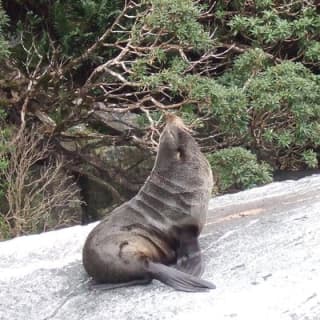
[(272, 25), (241, 73), (4, 50), (285, 116), (282, 107), (237, 168), (272, 109), (179, 18), (72, 24), (77, 23), (224, 65)]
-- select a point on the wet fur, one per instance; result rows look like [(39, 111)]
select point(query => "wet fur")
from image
[(160, 226)]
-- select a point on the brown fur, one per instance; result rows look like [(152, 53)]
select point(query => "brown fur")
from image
[(161, 223)]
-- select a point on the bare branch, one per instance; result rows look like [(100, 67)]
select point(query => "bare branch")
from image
[(36, 198)]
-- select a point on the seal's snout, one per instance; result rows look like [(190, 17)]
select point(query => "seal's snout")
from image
[(173, 120), (171, 117)]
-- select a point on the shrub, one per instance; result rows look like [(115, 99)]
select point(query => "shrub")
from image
[(285, 114), (241, 73), (4, 49), (38, 196), (237, 168)]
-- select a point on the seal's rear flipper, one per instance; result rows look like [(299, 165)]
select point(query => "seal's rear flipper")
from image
[(177, 279), (111, 286)]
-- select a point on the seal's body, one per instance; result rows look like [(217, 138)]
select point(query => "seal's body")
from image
[(161, 224)]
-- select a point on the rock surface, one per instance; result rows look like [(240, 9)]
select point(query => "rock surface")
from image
[(261, 248)]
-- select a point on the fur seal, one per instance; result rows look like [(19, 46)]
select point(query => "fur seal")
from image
[(155, 234)]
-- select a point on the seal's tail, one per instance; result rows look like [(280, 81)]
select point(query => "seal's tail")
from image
[(177, 279)]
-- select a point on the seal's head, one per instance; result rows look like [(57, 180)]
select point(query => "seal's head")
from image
[(176, 146)]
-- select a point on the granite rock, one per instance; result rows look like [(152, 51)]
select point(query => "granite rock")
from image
[(261, 248)]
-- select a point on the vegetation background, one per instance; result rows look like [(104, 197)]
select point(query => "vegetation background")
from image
[(82, 79)]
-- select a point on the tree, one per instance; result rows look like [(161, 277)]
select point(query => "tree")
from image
[(241, 73)]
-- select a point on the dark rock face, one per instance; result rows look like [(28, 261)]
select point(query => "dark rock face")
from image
[(125, 168), (261, 249), (108, 174)]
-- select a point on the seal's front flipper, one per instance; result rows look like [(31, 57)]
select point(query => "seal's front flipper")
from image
[(111, 286), (189, 257), (177, 279)]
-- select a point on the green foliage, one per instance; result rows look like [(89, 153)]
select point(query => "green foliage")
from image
[(312, 51), (72, 24), (4, 49), (269, 27), (179, 18), (237, 168), (241, 73), (284, 101), (226, 105), (78, 23), (271, 108), (310, 158), (245, 67), (269, 24)]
